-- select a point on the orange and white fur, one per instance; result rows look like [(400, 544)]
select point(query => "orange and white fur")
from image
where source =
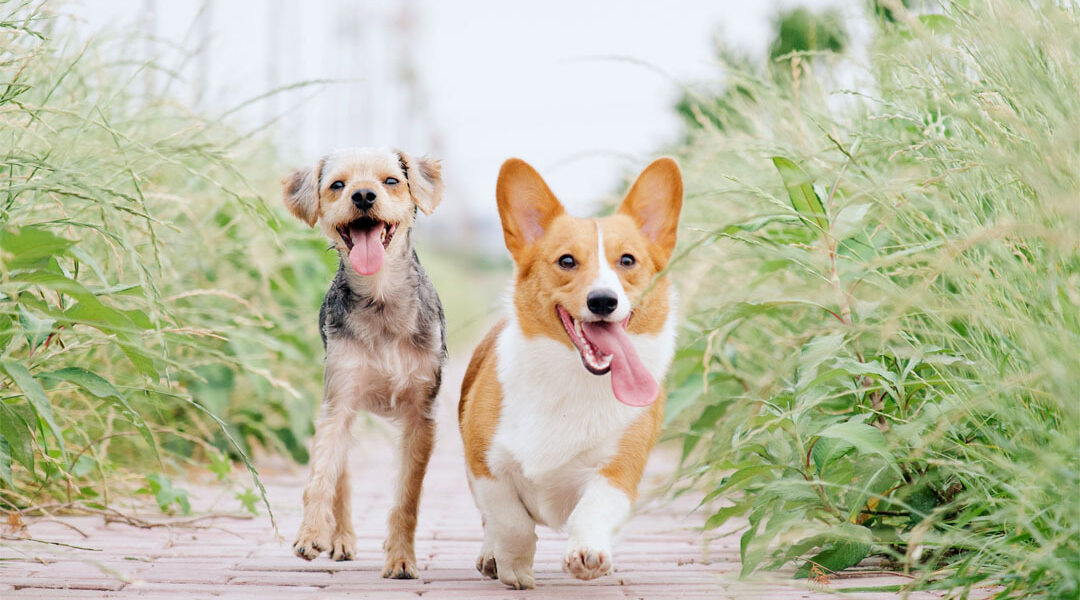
[(561, 402)]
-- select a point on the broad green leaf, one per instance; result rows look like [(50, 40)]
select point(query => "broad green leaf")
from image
[(35, 394), (5, 463), (684, 396), (867, 439), (800, 189), (89, 308), (844, 546), (7, 331), (721, 516), (88, 380), (19, 435), (30, 247), (102, 388), (836, 557), (37, 330)]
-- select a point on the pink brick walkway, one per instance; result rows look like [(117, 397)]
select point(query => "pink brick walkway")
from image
[(660, 555)]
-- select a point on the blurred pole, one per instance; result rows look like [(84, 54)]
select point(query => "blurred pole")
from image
[(203, 29), (148, 31), (271, 105)]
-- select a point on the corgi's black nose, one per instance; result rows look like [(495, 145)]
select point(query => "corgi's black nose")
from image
[(363, 199), (602, 302)]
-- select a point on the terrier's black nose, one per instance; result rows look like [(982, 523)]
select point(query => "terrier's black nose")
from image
[(602, 302), (363, 199)]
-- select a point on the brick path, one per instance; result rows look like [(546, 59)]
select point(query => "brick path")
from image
[(659, 556)]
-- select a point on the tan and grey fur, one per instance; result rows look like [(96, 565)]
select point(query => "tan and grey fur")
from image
[(385, 341)]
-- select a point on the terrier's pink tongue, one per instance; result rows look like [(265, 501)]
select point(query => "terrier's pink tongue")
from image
[(367, 252), (630, 380)]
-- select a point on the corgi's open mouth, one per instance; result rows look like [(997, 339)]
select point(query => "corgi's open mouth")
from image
[(367, 240), (595, 360), (605, 346)]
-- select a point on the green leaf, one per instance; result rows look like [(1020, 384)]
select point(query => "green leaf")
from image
[(35, 394), (19, 435), (30, 247), (88, 380), (166, 495), (721, 516), (102, 388), (247, 499), (800, 189), (849, 220), (5, 463), (845, 550), (37, 330), (867, 439)]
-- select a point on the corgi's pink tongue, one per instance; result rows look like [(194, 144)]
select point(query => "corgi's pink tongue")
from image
[(630, 380), (367, 252)]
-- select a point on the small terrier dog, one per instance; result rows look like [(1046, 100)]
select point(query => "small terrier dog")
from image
[(384, 334), (561, 404)]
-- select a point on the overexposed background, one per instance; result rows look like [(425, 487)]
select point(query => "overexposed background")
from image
[(582, 90)]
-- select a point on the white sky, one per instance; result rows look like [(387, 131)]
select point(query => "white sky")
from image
[(581, 89)]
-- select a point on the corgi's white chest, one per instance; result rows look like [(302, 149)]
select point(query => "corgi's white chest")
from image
[(558, 422)]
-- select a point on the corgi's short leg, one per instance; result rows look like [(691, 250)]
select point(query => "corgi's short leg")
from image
[(509, 533), (601, 509), (485, 562)]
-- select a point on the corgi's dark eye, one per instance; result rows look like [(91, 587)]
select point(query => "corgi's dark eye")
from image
[(337, 185), (567, 262), (391, 181), (627, 260)]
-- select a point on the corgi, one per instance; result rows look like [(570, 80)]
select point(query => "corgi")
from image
[(561, 402)]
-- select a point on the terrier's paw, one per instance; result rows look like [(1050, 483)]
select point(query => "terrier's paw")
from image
[(311, 541), (485, 563), (587, 563), (399, 566), (343, 545), (517, 574)]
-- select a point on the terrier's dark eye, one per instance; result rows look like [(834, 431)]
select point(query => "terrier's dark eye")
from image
[(627, 260), (391, 181), (337, 185), (567, 262)]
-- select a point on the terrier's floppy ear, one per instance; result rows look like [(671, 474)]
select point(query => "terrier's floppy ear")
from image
[(300, 192), (424, 177), (654, 203), (526, 204)]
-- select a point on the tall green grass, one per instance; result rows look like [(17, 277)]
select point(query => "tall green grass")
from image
[(154, 314), (882, 350)]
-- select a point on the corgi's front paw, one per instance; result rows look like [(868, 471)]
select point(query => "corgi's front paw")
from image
[(517, 573), (311, 541), (587, 563), (485, 563)]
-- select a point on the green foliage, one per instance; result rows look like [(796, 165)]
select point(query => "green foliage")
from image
[(884, 307), (800, 30), (154, 313), (161, 488)]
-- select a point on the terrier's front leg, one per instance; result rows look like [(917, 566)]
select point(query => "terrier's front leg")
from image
[(417, 441), (328, 463), (601, 509)]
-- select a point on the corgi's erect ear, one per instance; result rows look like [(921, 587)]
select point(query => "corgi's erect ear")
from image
[(654, 203), (424, 176), (526, 204), (300, 192)]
